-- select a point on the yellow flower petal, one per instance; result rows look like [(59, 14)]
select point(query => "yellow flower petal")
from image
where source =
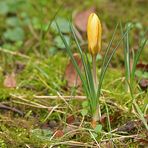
[(94, 31)]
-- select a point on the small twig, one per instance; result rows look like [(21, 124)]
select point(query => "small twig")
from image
[(14, 53), (64, 100), (81, 121), (121, 137), (94, 139), (57, 97), (51, 111), (2, 106), (33, 32), (29, 103), (75, 143), (80, 98), (27, 146), (35, 106)]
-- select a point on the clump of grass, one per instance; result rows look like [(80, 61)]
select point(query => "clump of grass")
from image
[(131, 69), (91, 87)]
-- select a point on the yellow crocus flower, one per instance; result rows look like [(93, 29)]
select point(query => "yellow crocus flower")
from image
[(94, 31)]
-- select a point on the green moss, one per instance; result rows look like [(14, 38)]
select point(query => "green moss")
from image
[(43, 73)]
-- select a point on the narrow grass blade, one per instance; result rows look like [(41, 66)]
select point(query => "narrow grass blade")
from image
[(82, 57), (136, 57), (105, 66), (126, 53), (108, 47), (72, 58), (87, 70), (141, 114)]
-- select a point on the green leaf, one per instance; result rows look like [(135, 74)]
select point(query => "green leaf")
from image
[(84, 112), (4, 8), (52, 50), (42, 134), (59, 43), (36, 23), (45, 27), (16, 5), (17, 45), (99, 57), (94, 135), (63, 25), (85, 104), (145, 75), (98, 128), (138, 25), (12, 21), (16, 34), (140, 74), (25, 18)]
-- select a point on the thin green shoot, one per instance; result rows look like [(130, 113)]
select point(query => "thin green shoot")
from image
[(87, 76), (108, 120), (130, 72)]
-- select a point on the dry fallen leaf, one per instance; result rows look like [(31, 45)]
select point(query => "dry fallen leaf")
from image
[(58, 133), (128, 127), (71, 75), (70, 128), (142, 66), (10, 81), (70, 119), (19, 67), (52, 124), (107, 144), (81, 18), (103, 119), (143, 84)]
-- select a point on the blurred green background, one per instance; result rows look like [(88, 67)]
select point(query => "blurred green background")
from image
[(25, 25), (31, 49)]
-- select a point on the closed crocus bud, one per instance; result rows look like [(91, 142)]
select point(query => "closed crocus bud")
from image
[(94, 31)]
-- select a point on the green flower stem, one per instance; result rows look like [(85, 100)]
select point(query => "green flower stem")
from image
[(97, 114), (94, 73)]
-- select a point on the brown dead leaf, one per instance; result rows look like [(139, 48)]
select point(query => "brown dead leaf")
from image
[(71, 75), (107, 144), (52, 124), (70, 128), (142, 66), (10, 80), (143, 141), (81, 18), (143, 84), (70, 119), (58, 133), (19, 67), (128, 127), (104, 119)]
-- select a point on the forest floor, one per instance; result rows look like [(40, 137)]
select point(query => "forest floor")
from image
[(36, 76)]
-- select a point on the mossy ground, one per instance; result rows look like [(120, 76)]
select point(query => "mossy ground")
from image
[(41, 73)]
